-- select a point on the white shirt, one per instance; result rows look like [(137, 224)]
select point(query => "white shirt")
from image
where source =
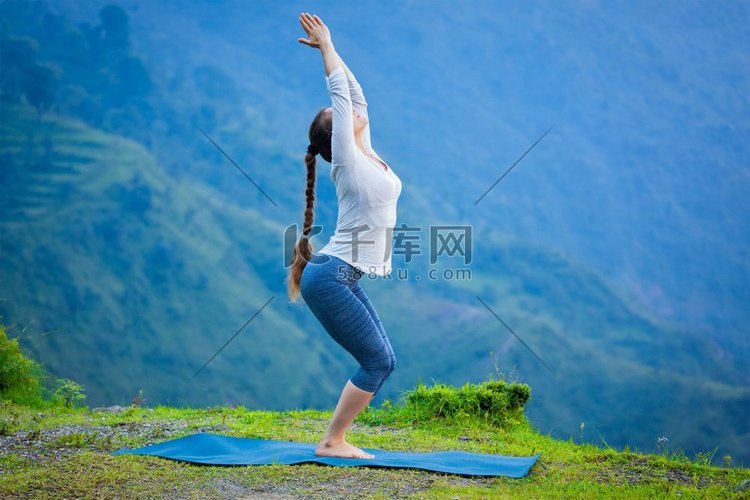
[(367, 193)]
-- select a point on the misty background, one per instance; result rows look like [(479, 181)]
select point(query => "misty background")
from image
[(132, 249)]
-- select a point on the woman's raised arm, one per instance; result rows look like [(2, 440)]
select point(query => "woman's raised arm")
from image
[(358, 102), (343, 146)]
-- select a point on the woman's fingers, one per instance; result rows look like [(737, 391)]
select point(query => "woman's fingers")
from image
[(305, 23), (312, 19)]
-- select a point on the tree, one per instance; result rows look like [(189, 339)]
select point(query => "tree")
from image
[(40, 86)]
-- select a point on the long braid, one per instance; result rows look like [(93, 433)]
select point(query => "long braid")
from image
[(303, 249), (320, 142)]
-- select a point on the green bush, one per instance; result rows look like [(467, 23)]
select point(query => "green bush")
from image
[(68, 393), (494, 401), (20, 377)]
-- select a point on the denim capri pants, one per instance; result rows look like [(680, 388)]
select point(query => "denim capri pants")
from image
[(330, 287)]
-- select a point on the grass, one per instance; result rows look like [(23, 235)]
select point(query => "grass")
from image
[(65, 451)]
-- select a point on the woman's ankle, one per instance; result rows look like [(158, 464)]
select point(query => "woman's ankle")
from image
[(332, 440)]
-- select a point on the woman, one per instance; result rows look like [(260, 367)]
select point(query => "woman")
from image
[(367, 192)]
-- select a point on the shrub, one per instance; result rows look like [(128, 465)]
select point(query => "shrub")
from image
[(493, 401), (20, 377), (68, 393)]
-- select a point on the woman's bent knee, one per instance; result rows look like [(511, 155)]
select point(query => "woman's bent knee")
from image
[(364, 382), (370, 378)]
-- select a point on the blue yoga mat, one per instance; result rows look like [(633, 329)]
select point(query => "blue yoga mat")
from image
[(216, 449)]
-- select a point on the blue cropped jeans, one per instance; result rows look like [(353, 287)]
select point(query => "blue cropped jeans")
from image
[(331, 289)]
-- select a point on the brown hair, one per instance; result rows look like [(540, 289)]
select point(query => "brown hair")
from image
[(320, 138)]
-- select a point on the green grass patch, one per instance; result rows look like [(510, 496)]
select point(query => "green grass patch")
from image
[(494, 402)]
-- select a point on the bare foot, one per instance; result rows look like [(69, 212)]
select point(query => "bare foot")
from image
[(342, 449)]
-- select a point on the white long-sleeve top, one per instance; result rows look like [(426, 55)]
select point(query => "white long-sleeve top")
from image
[(367, 193)]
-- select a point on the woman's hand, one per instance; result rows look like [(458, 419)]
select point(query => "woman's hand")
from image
[(317, 32)]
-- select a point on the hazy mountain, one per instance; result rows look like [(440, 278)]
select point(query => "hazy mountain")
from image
[(643, 177)]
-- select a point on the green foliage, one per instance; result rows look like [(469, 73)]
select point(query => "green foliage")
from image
[(68, 393), (20, 377), (495, 402), (22, 380), (518, 394)]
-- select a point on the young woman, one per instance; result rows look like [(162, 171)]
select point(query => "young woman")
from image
[(367, 192)]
